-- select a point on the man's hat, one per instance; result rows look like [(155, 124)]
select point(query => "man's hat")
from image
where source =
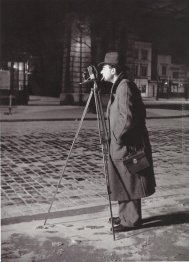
[(113, 59)]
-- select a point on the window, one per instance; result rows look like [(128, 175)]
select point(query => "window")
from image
[(143, 70), (135, 70), (144, 54), (143, 89), (164, 70), (20, 76), (136, 53), (175, 75)]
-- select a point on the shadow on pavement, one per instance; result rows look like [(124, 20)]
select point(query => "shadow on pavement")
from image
[(166, 220), (167, 117), (158, 221)]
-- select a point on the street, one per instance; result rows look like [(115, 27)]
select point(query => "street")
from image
[(34, 154)]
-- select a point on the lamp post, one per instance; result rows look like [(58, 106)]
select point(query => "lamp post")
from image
[(11, 87)]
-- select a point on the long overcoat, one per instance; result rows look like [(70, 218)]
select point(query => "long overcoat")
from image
[(127, 131)]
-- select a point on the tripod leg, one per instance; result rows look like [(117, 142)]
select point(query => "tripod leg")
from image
[(75, 138), (105, 148)]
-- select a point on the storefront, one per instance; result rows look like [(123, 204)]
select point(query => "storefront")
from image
[(14, 79)]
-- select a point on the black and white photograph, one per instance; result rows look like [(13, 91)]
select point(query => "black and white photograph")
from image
[(94, 130)]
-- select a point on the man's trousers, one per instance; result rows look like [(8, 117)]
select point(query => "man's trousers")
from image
[(130, 213)]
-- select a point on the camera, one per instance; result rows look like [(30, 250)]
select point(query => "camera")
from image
[(91, 73)]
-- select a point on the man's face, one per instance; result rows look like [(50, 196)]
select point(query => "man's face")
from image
[(107, 73)]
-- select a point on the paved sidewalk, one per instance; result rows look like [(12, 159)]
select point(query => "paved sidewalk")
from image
[(34, 154)]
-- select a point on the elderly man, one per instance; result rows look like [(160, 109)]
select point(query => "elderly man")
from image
[(127, 134)]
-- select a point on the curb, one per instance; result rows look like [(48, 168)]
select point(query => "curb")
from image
[(46, 119), (86, 119), (52, 215)]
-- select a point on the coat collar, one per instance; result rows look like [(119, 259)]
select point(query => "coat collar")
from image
[(113, 90), (121, 76)]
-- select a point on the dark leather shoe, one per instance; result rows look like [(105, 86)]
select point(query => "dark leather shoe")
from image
[(120, 228), (116, 220)]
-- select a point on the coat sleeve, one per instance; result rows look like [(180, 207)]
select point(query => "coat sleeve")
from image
[(124, 121)]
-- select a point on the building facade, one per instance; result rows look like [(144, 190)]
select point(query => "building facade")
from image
[(142, 66), (64, 37), (172, 77), (84, 46)]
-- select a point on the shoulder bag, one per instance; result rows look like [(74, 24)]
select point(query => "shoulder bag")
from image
[(136, 161)]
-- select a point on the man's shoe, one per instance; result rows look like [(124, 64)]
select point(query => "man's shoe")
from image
[(116, 220), (120, 228)]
